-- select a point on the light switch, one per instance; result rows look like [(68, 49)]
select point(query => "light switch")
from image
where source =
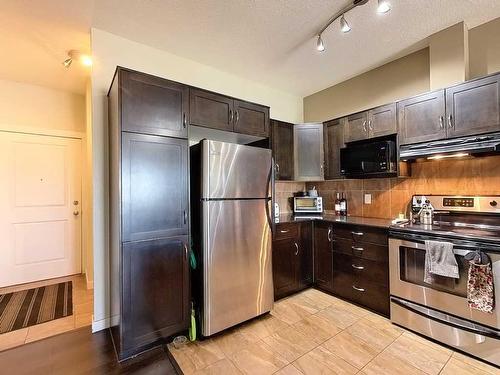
[(368, 199)]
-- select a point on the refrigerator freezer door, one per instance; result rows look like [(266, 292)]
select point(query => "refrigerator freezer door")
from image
[(237, 269), (235, 171)]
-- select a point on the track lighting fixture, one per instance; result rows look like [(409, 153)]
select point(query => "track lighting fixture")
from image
[(383, 6), (344, 26), (78, 56), (319, 44)]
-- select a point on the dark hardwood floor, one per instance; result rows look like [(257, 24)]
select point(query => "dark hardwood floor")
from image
[(80, 352)]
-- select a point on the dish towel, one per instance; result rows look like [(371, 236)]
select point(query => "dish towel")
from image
[(440, 260), (480, 288)]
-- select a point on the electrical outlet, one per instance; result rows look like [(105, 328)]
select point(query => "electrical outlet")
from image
[(368, 199)]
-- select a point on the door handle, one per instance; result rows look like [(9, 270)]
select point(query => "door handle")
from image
[(76, 213), (230, 116), (441, 122), (185, 217), (237, 117), (357, 267), (184, 120), (450, 121), (297, 247), (364, 126), (358, 289), (329, 234), (277, 168), (185, 251), (370, 126)]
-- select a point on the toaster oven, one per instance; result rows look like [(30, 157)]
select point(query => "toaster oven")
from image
[(307, 205)]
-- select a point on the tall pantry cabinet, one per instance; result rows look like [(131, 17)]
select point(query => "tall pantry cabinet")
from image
[(149, 210)]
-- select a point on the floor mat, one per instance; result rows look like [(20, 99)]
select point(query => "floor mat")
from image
[(34, 306)]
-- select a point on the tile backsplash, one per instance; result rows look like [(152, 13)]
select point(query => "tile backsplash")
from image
[(390, 196)]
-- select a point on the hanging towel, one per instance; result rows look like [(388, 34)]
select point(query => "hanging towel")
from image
[(440, 260), (480, 288)]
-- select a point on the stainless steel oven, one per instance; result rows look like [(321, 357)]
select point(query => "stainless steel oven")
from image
[(440, 310)]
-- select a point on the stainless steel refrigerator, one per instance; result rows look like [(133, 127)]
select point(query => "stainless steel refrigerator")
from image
[(235, 187)]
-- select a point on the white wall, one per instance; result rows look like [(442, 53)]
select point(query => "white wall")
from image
[(108, 51)]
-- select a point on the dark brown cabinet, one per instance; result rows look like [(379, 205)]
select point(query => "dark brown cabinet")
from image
[(216, 111), (323, 255), (149, 215), (357, 127), (333, 132), (382, 120), (155, 290), (421, 119), (308, 152), (292, 258), (153, 105), (473, 107), (282, 145)]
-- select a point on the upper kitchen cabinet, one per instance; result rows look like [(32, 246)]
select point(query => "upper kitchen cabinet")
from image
[(211, 110), (216, 111), (251, 119), (421, 118), (282, 145), (357, 127), (382, 120), (153, 105), (333, 132), (308, 152), (473, 107)]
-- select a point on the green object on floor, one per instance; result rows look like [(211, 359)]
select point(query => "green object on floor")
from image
[(192, 328)]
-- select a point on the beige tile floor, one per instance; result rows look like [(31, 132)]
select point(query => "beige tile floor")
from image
[(83, 307), (315, 333)]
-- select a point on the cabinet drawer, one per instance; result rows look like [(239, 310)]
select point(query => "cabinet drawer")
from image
[(362, 269), (361, 233), (286, 230), (365, 250), (372, 295)]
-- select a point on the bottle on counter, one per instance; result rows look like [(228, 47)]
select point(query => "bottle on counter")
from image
[(343, 206), (337, 205)]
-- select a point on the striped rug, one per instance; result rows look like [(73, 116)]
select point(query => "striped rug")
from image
[(34, 306)]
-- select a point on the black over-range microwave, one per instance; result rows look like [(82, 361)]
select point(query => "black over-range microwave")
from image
[(369, 159)]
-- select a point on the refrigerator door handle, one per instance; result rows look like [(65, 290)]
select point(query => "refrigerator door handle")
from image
[(270, 184)]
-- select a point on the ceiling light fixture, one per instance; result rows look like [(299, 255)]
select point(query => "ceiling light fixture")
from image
[(319, 44), (73, 55), (383, 6), (344, 26)]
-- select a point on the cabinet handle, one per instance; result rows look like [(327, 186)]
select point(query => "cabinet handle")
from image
[(358, 289), (364, 126), (184, 120), (329, 234), (357, 248), (185, 251), (297, 247), (185, 217), (370, 126), (441, 122), (237, 117), (284, 231), (230, 116), (357, 233), (357, 267), (450, 121), (277, 168)]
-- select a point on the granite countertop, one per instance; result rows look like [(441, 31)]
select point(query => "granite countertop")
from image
[(357, 220)]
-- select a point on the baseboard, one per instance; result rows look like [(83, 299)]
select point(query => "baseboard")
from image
[(100, 325)]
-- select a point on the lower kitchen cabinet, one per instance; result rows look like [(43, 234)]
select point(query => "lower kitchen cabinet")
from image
[(323, 256), (292, 258)]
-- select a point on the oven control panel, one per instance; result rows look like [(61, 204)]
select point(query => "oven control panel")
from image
[(458, 202)]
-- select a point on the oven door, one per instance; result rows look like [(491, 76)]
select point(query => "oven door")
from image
[(407, 260), (307, 205)]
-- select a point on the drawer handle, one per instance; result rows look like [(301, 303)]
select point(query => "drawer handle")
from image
[(329, 234), (357, 233), (284, 231), (358, 289), (357, 267), (357, 248), (297, 247)]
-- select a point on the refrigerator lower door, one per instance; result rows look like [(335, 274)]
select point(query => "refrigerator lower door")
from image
[(237, 269)]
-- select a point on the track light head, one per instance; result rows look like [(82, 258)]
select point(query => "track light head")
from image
[(319, 44), (84, 59), (344, 26), (383, 6)]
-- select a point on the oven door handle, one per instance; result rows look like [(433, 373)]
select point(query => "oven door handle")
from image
[(420, 246)]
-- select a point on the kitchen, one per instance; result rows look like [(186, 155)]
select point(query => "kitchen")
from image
[(245, 237)]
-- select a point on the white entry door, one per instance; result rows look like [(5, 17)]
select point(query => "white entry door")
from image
[(40, 200)]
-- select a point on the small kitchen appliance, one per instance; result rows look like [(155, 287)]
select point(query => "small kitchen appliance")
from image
[(307, 205)]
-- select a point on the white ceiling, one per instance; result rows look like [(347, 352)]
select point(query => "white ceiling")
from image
[(271, 41)]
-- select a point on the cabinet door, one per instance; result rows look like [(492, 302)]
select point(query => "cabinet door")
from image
[(155, 282), (153, 105), (334, 140), (252, 119), (282, 141), (285, 253), (323, 255), (154, 187), (308, 152), (382, 120), (473, 107), (357, 127), (305, 256), (421, 119), (210, 110)]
